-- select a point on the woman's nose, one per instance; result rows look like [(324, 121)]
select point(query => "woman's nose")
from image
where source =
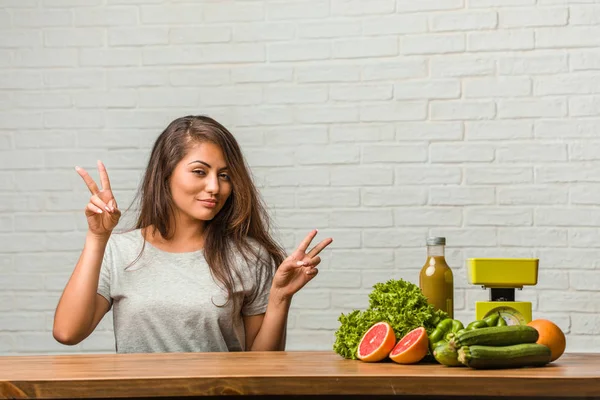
[(212, 184)]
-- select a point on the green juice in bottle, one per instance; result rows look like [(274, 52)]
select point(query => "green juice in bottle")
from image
[(436, 280)]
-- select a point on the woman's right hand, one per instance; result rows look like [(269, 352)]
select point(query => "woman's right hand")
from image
[(101, 212)]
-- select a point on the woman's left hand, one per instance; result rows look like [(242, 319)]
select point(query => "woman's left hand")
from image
[(299, 268)]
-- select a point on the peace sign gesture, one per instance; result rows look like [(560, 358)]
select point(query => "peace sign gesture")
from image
[(299, 268), (101, 212)]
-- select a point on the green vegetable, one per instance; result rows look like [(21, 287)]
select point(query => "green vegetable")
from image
[(492, 320), (495, 320), (400, 303), (514, 356), (446, 355), (496, 336), (477, 324), (444, 331)]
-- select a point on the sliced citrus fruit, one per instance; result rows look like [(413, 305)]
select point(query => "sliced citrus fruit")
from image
[(411, 348), (376, 343)]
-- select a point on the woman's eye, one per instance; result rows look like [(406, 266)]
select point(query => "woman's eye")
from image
[(199, 172), (225, 176)]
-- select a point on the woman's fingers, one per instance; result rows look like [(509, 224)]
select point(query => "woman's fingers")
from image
[(112, 203), (307, 262), (92, 208), (308, 266), (96, 207), (116, 214), (99, 203), (313, 262), (301, 249), (88, 180), (113, 206), (93, 187), (298, 264), (103, 176), (319, 247)]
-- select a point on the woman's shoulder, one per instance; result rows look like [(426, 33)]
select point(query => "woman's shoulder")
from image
[(126, 239), (253, 252), (255, 247)]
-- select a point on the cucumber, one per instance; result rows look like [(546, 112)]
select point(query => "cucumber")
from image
[(514, 356), (446, 355), (496, 336)]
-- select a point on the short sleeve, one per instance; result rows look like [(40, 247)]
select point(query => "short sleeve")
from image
[(263, 278), (105, 275)]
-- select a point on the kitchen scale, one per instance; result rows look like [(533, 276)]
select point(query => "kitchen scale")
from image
[(502, 276)]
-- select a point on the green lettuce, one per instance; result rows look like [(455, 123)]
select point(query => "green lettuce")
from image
[(400, 303)]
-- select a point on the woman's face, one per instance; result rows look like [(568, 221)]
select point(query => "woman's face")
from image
[(200, 184)]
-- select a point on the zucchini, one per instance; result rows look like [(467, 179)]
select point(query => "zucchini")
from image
[(496, 336), (514, 356)]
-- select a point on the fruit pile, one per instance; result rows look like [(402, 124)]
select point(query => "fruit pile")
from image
[(483, 344)]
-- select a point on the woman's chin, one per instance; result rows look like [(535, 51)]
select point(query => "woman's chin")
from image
[(204, 216)]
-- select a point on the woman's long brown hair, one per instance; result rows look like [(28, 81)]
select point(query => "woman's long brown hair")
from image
[(243, 216)]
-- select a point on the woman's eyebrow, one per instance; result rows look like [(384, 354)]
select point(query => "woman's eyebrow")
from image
[(207, 164), (201, 162)]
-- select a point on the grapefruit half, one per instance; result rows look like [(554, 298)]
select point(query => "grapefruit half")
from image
[(411, 348), (376, 343)]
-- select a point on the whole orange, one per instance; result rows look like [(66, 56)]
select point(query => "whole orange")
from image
[(551, 336)]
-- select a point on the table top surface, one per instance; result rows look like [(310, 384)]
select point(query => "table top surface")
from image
[(320, 372)]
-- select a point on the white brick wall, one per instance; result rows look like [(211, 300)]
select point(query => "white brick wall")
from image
[(378, 121)]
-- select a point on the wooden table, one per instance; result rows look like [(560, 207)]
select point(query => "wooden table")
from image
[(291, 374)]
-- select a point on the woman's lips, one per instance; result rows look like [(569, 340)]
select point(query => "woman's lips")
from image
[(208, 203)]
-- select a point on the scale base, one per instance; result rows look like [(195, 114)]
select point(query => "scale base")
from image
[(513, 312)]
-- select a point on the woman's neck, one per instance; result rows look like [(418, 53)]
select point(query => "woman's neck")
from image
[(187, 236)]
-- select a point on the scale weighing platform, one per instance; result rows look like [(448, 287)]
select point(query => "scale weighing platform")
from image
[(502, 276)]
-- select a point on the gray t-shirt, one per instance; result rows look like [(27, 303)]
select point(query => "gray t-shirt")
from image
[(169, 302)]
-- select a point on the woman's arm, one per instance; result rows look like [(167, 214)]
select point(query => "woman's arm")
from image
[(80, 308), (267, 332)]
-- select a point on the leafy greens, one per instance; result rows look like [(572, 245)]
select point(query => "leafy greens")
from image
[(400, 303)]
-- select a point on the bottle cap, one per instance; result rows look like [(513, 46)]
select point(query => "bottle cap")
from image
[(436, 241)]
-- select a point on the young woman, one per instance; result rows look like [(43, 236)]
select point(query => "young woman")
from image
[(199, 272)]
